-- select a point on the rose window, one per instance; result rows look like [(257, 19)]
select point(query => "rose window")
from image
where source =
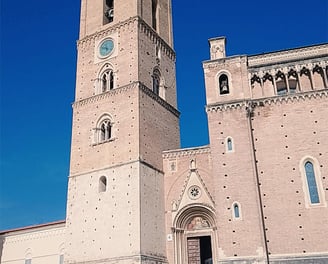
[(194, 192)]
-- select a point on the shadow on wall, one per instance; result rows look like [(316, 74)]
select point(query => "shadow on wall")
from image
[(2, 241)]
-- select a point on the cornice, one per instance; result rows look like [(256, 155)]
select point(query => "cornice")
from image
[(290, 65), (103, 96), (107, 31), (311, 54), (34, 234), (284, 56), (153, 35), (75, 175), (158, 99), (107, 168), (123, 89), (186, 152), (226, 106), (39, 227), (217, 63), (284, 258), (267, 101), (134, 258), (143, 27)]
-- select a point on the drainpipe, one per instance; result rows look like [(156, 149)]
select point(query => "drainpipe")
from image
[(250, 113)]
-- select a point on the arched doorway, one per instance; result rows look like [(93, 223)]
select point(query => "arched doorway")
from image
[(195, 235)]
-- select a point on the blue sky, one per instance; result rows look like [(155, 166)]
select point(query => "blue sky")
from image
[(37, 80)]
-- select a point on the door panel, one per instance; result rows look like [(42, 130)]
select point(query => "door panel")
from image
[(193, 246)]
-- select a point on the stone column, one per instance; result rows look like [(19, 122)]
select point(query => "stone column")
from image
[(298, 80), (324, 72), (273, 74), (285, 71), (310, 68), (261, 82)]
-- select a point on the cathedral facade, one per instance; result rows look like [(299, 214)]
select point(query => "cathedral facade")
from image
[(256, 194)]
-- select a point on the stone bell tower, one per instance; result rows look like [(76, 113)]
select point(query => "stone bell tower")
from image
[(124, 116)]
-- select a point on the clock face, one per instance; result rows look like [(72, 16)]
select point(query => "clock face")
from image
[(106, 47)]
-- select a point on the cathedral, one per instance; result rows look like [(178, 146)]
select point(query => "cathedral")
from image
[(257, 194)]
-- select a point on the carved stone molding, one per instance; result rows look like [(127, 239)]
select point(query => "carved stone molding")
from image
[(226, 106), (197, 206), (130, 259), (287, 67), (107, 31), (123, 89), (219, 63), (35, 234), (269, 100), (152, 34), (143, 27), (186, 152), (103, 96), (158, 99), (288, 55)]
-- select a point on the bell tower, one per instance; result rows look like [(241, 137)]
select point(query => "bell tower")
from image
[(124, 116)]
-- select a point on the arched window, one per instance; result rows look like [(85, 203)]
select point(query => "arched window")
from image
[(224, 84), (156, 81), (229, 144), (102, 184), (105, 130), (292, 85), (107, 81), (154, 7), (281, 87), (281, 83), (311, 183), (236, 213)]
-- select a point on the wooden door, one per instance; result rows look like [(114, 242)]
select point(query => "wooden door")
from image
[(193, 246)]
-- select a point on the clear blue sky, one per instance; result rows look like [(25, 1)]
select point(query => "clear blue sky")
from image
[(37, 74)]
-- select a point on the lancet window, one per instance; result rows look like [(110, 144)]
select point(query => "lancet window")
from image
[(314, 193), (229, 144), (104, 130), (281, 84), (311, 183), (107, 81), (224, 84), (236, 211), (156, 81)]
